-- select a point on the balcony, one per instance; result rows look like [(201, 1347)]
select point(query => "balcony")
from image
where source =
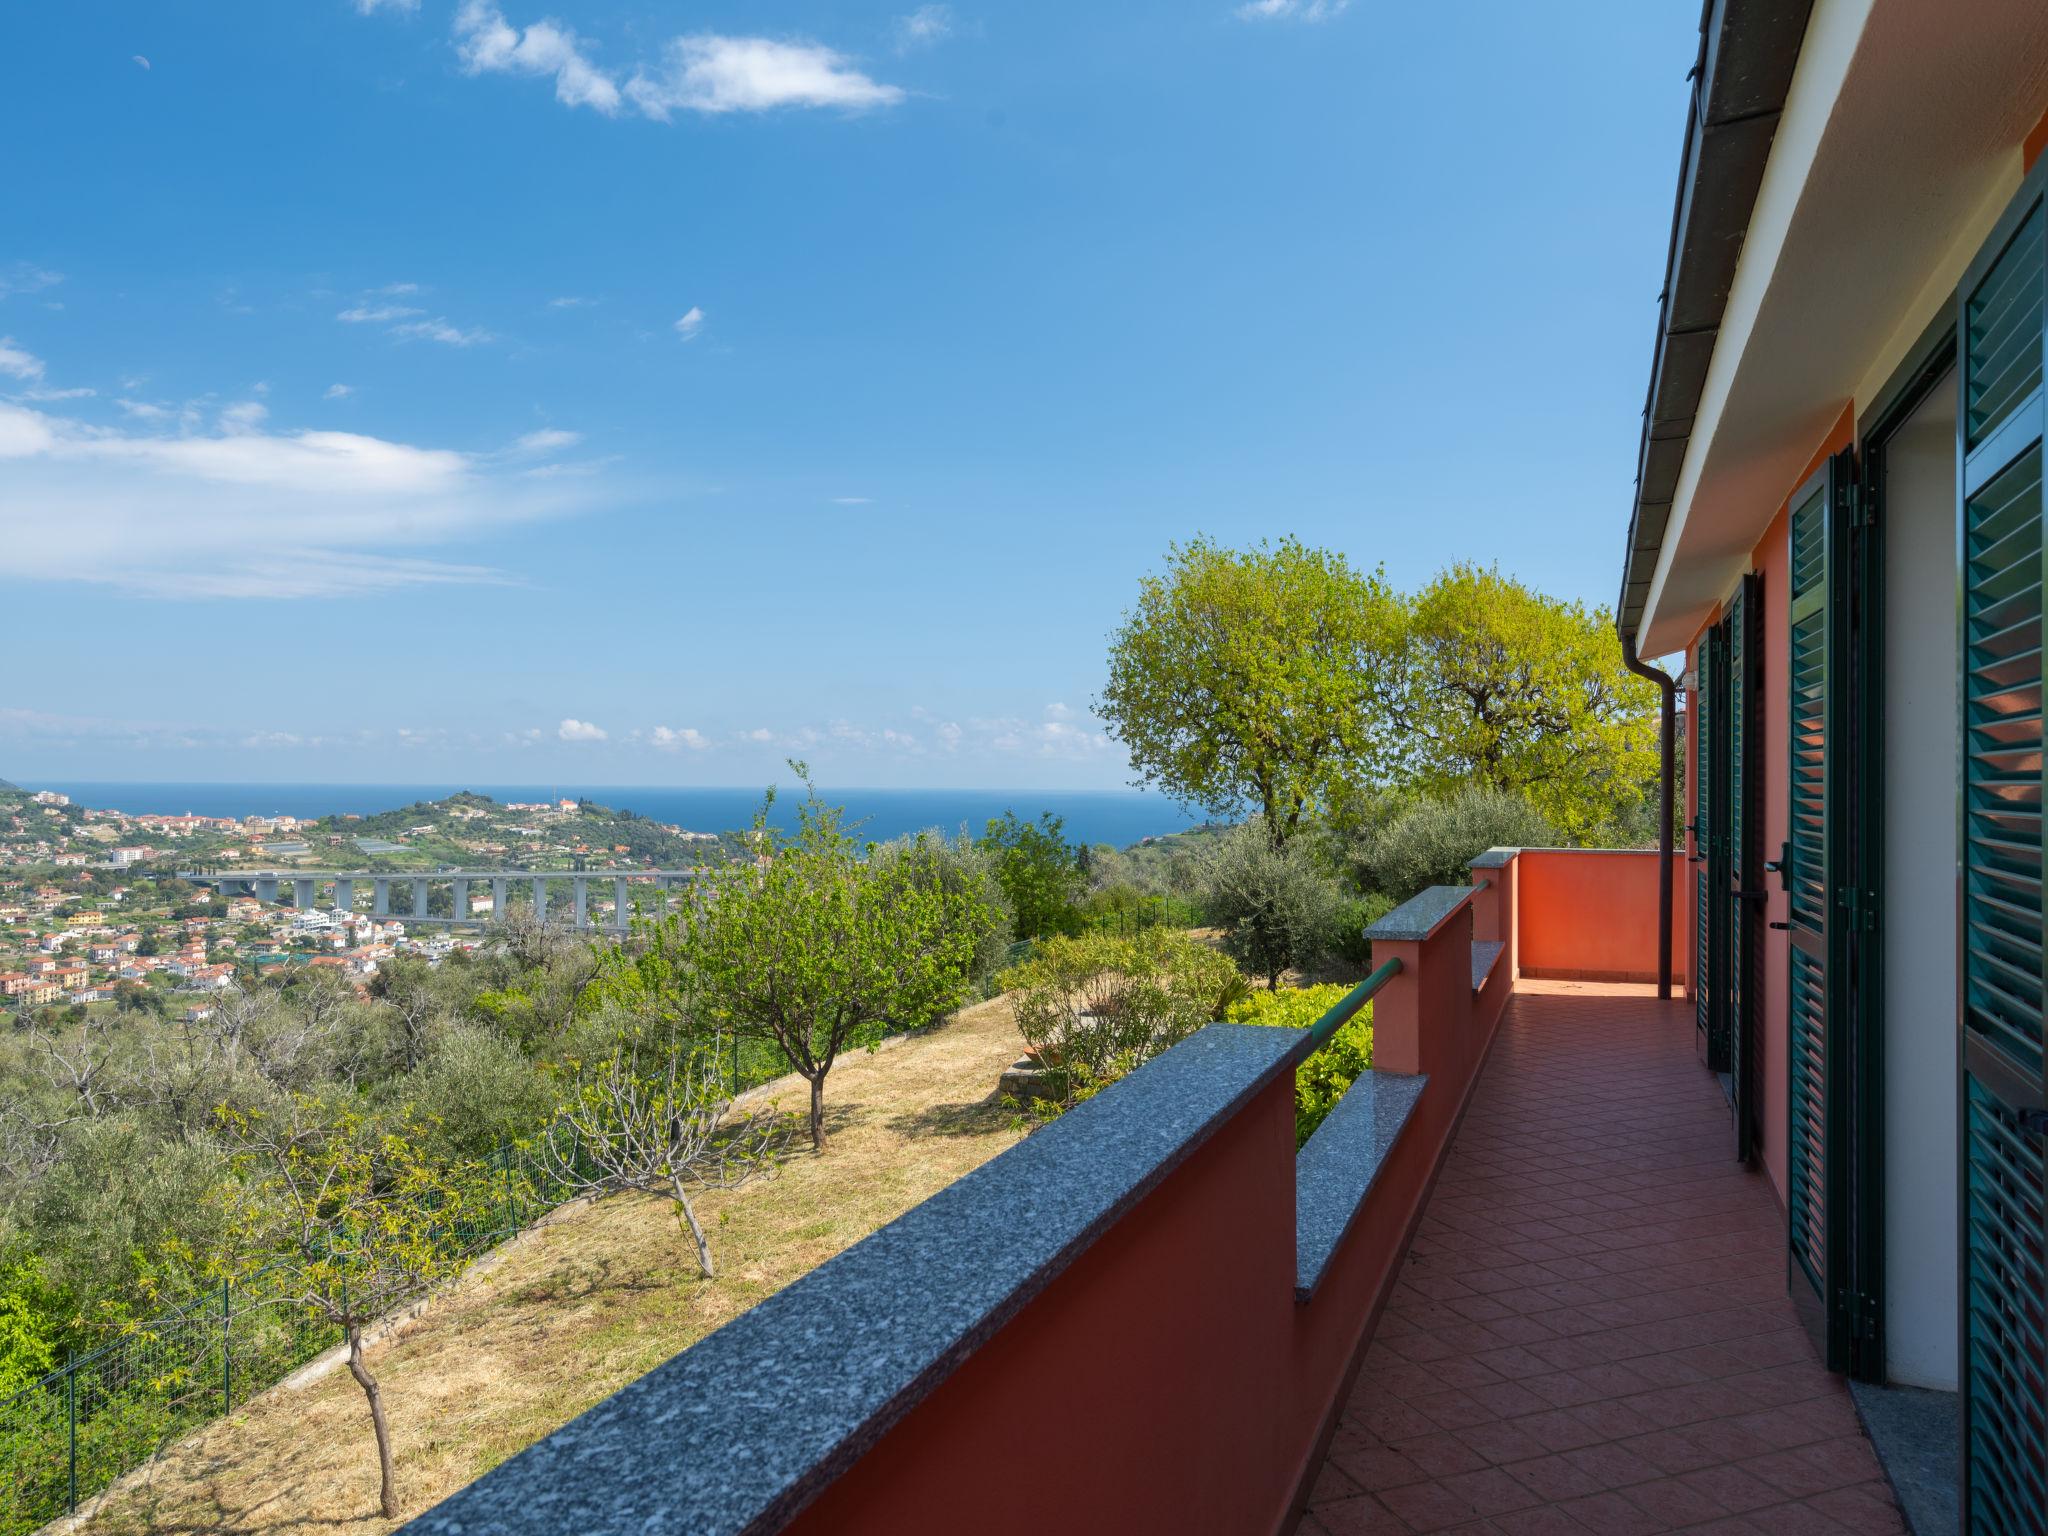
[(1516, 1282)]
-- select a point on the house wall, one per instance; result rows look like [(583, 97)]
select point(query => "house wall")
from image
[(1772, 557)]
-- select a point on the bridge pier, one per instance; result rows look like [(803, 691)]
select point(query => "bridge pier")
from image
[(582, 890)]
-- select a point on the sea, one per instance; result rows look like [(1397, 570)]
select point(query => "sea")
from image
[(1117, 817)]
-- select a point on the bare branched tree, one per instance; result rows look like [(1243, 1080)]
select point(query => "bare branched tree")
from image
[(656, 1117)]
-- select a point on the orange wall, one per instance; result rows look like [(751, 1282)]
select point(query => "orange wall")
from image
[(1591, 915)]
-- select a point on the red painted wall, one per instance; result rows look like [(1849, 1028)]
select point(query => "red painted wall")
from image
[(1144, 1388), (1169, 1380), (1591, 915)]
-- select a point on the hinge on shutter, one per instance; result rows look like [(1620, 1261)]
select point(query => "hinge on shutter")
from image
[(1851, 504), (1860, 1309)]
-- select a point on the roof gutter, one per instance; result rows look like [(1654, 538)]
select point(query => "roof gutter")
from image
[(1748, 51)]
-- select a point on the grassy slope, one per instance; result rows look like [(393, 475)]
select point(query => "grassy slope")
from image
[(573, 1311)]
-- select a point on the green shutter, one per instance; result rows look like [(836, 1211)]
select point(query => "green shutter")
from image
[(1703, 836), (2000, 331), (1744, 894), (1808, 880)]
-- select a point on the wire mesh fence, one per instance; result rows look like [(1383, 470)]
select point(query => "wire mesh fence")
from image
[(107, 1411)]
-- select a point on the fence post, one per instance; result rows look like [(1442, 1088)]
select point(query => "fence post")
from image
[(227, 1348), (71, 1414)]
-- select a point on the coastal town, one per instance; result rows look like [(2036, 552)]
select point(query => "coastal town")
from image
[(94, 915)]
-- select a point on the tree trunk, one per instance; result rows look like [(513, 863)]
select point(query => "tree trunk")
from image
[(818, 1113), (687, 1216), (388, 1493)]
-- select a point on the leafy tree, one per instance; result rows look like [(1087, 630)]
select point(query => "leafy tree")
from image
[(1501, 686), (348, 1223), (966, 869), (1325, 1077), (1248, 677), (819, 950), (1275, 904), (1039, 871), (654, 1117)]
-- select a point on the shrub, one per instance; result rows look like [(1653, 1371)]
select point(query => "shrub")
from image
[(967, 871), (1434, 841), (1320, 1081), (1355, 914), (1097, 1006), (1276, 905)]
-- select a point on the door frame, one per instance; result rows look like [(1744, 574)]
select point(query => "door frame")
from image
[(1931, 359)]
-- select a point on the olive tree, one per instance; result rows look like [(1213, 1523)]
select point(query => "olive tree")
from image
[(1276, 905)]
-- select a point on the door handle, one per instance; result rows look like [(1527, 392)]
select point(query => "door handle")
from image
[(1787, 927)]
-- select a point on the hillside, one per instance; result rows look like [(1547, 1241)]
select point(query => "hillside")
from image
[(574, 1310)]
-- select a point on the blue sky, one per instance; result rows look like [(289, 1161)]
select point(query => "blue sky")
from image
[(619, 392)]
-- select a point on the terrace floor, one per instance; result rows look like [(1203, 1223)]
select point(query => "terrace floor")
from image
[(1592, 1331)]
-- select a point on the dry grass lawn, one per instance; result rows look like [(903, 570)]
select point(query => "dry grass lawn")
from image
[(577, 1308)]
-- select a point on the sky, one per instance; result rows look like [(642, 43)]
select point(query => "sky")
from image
[(617, 392)]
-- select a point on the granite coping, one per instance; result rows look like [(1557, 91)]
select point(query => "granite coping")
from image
[(1422, 914), (1494, 858), (737, 1433), (1486, 954), (1335, 1171)]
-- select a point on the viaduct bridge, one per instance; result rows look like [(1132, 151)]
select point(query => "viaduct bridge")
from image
[(335, 890)]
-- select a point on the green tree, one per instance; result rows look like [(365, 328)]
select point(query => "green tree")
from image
[(1501, 686), (1277, 907), (347, 1223), (1433, 842), (820, 950), (1039, 871), (1249, 678)]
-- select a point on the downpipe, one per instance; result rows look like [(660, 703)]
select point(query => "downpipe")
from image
[(1667, 748)]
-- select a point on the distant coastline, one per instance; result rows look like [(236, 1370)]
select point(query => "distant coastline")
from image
[(1116, 817)]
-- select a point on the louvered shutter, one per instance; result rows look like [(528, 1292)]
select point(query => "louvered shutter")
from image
[(1702, 827), (1744, 890), (2000, 330), (1810, 879)]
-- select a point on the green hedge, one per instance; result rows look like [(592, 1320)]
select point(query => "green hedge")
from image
[(1320, 1081)]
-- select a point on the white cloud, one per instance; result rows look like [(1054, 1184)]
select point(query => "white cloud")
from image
[(20, 277), (759, 733), (547, 440), (396, 289), (377, 314), (702, 72), (142, 61), (1291, 10), (367, 7), (440, 330), (569, 301), (709, 73), (167, 508), (488, 44), (338, 392), (17, 362), (851, 501), (690, 324), (676, 740), (1058, 712), (581, 730), (243, 417), (924, 26), (80, 393)]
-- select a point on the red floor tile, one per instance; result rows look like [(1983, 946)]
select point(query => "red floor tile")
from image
[(1592, 1331)]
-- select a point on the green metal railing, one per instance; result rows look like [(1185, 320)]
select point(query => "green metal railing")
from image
[(1341, 1011)]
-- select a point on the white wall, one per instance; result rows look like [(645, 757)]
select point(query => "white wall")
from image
[(1920, 747)]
